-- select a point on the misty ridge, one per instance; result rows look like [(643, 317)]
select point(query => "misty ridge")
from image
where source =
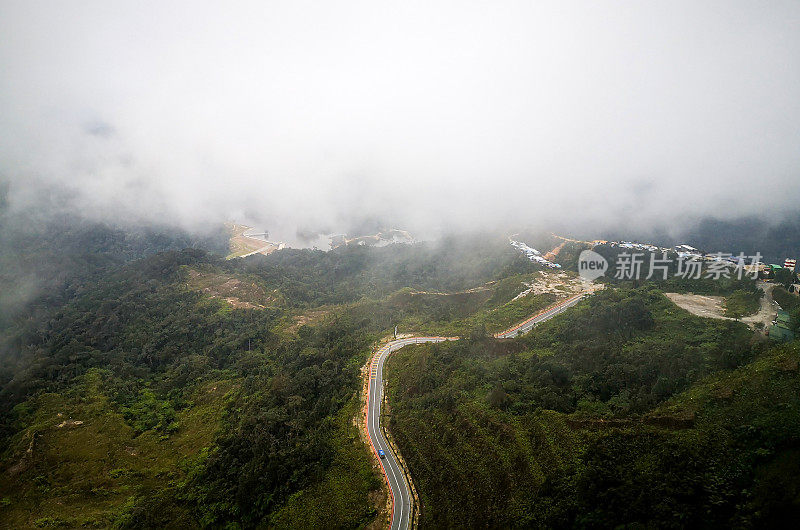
[(46, 234), (649, 123), (643, 119), (441, 264)]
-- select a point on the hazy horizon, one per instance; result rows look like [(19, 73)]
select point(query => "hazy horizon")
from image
[(426, 116)]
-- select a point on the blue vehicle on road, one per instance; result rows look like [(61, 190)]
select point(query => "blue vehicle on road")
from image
[(381, 453)]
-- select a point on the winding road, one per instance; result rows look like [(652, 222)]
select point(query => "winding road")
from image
[(398, 486)]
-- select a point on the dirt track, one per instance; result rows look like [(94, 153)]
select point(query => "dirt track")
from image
[(558, 283), (711, 306)]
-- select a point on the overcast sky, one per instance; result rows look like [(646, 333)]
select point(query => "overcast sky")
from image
[(431, 113)]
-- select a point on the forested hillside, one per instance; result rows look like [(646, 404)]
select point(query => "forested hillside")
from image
[(134, 395), (147, 384), (626, 411)]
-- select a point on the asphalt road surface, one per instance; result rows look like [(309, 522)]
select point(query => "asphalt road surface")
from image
[(399, 489), (547, 314), (401, 496)]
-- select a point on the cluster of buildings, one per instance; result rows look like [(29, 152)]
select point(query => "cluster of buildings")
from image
[(781, 327), (534, 255), (689, 252), (381, 239), (644, 247), (683, 250)]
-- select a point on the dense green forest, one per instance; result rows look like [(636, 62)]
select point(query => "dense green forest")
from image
[(626, 411), (147, 382), (131, 397)]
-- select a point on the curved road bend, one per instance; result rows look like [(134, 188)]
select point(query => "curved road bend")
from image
[(398, 487)]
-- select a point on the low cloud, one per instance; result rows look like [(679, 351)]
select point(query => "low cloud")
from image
[(428, 115)]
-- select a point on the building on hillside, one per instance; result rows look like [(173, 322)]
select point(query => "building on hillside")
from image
[(686, 248), (783, 318), (687, 251), (781, 329), (781, 333), (790, 263)]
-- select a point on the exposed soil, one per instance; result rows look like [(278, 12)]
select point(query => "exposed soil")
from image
[(241, 245), (551, 256), (238, 293), (712, 306), (69, 423), (24, 462), (307, 318), (558, 283), (481, 288)]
